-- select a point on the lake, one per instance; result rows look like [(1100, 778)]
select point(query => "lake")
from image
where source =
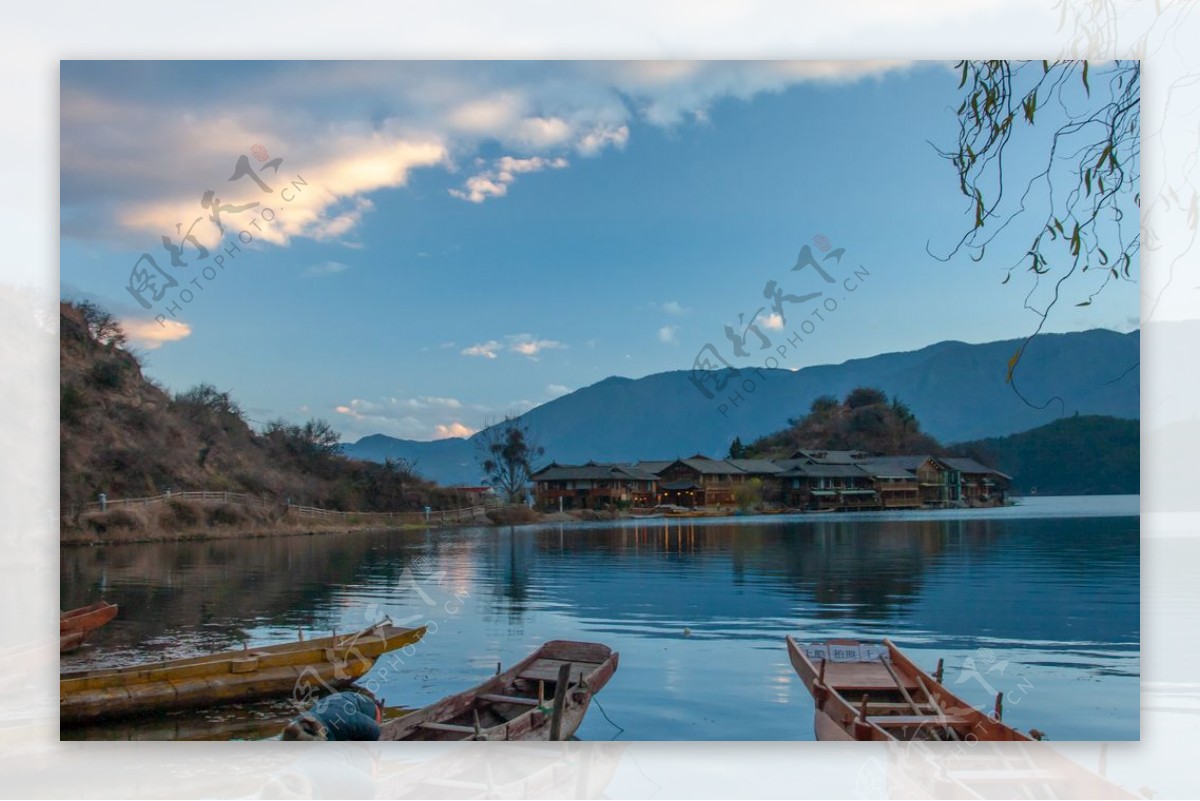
[(1040, 600)]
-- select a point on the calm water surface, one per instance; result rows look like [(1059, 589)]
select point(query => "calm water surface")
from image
[(1039, 600)]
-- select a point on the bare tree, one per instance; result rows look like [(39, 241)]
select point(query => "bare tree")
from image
[(508, 455), (103, 327)]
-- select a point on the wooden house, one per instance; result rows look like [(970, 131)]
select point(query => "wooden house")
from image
[(896, 487), (937, 482), (978, 484), (827, 487), (701, 481), (593, 486)]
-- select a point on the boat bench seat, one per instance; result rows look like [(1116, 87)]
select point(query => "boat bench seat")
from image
[(900, 721), (547, 670), (508, 699), (454, 727)]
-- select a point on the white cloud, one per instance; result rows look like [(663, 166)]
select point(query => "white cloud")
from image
[(527, 345), (668, 334), (455, 429), (485, 349), (602, 137), (494, 182), (524, 344), (117, 186), (773, 321), (327, 268), (556, 390), (151, 335), (423, 417), (327, 182), (675, 308)]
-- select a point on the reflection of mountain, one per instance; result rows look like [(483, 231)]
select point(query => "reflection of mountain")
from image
[(1015, 579), (674, 571), (223, 588), (1019, 579)]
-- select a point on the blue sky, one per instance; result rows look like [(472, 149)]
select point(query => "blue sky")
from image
[(470, 239)]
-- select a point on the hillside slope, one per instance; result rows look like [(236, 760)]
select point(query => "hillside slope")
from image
[(1079, 455), (123, 435)]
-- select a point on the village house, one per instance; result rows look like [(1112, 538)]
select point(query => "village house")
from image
[(593, 486), (896, 487), (979, 485), (827, 487), (699, 481)]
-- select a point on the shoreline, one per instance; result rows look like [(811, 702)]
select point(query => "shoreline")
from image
[(82, 539)]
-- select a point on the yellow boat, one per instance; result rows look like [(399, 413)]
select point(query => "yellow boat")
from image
[(299, 668)]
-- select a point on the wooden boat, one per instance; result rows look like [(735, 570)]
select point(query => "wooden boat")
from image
[(542, 697), (868, 691), (75, 625), (290, 668)]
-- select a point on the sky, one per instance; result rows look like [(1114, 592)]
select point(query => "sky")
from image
[(419, 248)]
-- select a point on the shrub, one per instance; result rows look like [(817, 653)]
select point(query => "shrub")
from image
[(113, 520), (71, 403), (225, 515), (107, 374), (865, 396), (515, 515), (177, 514)]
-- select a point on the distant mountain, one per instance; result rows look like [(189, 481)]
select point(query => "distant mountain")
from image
[(1078, 455), (956, 389)]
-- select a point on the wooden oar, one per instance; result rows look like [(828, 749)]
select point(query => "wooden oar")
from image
[(937, 708), (903, 690), (916, 709)]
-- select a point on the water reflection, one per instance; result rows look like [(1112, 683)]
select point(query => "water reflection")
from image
[(692, 605)]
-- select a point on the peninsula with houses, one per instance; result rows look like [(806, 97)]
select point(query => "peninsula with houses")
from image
[(808, 480), (864, 452)]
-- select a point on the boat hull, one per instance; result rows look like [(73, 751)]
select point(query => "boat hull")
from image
[(75, 625), (301, 668), (886, 697), (517, 704)]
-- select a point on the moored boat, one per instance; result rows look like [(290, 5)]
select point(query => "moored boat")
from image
[(866, 691), (75, 625), (543, 697), (289, 668)]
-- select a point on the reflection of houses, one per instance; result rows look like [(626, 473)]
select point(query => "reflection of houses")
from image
[(594, 486), (809, 479)]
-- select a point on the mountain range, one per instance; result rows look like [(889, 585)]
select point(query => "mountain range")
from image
[(957, 390)]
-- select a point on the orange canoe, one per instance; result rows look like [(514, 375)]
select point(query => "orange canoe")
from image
[(74, 626), (871, 691)]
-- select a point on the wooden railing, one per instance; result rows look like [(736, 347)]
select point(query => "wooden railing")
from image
[(434, 515), (192, 495), (245, 499)]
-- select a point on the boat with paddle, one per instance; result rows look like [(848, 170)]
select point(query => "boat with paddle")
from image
[(872, 691), (543, 697)]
